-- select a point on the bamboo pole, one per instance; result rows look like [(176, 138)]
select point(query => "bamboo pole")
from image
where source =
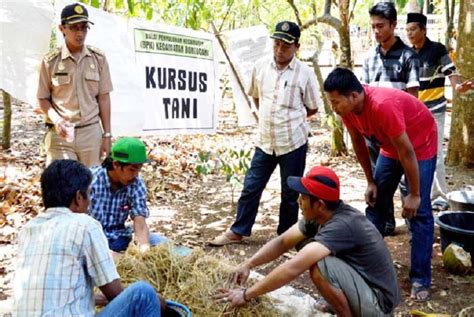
[(234, 71)]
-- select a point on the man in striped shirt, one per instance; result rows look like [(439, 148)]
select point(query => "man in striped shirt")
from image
[(285, 91), (392, 64), (435, 66), (63, 255)]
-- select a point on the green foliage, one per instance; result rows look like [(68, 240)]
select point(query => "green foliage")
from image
[(231, 163)]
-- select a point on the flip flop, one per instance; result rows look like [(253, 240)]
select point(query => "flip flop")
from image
[(222, 240), (420, 293)]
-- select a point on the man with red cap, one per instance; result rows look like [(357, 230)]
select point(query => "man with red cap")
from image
[(344, 253)]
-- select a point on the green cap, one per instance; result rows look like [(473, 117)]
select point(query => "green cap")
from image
[(129, 150)]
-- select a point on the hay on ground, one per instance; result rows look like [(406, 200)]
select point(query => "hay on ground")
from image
[(188, 280)]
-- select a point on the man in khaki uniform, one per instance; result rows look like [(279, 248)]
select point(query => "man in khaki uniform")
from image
[(73, 92)]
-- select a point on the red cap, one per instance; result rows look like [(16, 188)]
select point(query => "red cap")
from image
[(320, 182)]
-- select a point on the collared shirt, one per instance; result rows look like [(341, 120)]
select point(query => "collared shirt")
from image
[(112, 208), (61, 256), (398, 68), (435, 65), (73, 85), (388, 113), (283, 98)]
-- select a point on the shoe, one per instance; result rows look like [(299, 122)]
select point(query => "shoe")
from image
[(323, 306), (223, 239), (439, 204)]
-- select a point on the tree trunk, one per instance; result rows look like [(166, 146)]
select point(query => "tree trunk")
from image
[(449, 6), (7, 120), (344, 35), (461, 145)]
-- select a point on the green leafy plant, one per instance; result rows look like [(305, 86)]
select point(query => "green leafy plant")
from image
[(231, 163)]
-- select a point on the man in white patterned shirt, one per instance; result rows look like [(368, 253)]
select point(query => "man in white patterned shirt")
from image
[(285, 91), (63, 254)]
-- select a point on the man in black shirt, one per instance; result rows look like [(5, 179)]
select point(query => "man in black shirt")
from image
[(344, 254)]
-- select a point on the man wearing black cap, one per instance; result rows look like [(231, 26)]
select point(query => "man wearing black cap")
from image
[(343, 252), (436, 64), (73, 93), (285, 92)]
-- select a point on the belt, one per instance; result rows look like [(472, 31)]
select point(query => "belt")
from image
[(50, 125)]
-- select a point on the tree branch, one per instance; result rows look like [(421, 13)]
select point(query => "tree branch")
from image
[(295, 11), (327, 19)]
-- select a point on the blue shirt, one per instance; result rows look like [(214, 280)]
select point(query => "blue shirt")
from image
[(112, 209)]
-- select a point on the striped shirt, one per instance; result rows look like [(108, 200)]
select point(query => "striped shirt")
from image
[(435, 65), (112, 209), (61, 256), (398, 68), (283, 98)]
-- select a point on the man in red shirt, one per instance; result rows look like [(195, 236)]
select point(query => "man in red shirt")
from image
[(406, 132)]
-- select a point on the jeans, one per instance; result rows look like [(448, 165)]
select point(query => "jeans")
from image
[(121, 243), (374, 150), (387, 176), (261, 168), (138, 299)]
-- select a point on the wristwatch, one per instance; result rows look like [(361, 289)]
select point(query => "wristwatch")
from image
[(107, 135)]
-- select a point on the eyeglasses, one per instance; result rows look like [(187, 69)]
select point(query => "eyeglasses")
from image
[(76, 28)]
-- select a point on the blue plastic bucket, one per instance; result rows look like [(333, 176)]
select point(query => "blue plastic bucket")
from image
[(182, 310), (458, 227)]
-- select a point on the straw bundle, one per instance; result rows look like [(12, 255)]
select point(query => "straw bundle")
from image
[(188, 280)]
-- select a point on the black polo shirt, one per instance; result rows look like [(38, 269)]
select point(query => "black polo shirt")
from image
[(398, 68), (435, 65)]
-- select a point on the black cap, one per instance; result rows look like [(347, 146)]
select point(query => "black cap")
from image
[(417, 17), (287, 31), (74, 13)]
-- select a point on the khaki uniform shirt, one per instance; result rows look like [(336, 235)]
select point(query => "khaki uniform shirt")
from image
[(283, 98), (73, 85)]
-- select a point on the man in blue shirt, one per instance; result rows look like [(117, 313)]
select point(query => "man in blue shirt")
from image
[(119, 192), (63, 255)]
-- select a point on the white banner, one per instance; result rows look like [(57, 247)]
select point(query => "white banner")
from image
[(164, 77), (25, 30), (245, 47)]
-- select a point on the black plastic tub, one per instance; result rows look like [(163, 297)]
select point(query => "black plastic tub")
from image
[(458, 227)]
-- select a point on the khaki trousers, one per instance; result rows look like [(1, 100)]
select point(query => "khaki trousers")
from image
[(85, 147)]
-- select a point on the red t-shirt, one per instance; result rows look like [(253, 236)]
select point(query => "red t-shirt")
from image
[(387, 114)]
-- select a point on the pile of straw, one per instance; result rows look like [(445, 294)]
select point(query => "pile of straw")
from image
[(189, 280)]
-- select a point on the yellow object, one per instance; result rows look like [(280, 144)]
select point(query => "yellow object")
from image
[(419, 313)]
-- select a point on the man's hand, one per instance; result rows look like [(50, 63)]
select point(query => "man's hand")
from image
[(410, 206), (235, 297), (240, 276), (105, 147), (465, 86), (61, 126), (371, 194), (100, 299)]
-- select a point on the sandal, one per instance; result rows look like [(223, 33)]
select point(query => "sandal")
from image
[(223, 239), (420, 293)]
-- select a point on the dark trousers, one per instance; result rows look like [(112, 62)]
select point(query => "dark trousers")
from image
[(374, 150), (261, 168), (388, 173)]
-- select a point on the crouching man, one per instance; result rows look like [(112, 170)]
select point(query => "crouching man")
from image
[(63, 254), (344, 253)]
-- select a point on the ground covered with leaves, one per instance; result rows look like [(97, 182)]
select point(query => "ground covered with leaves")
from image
[(193, 184)]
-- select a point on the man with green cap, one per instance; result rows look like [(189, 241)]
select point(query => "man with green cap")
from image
[(117, 192)]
